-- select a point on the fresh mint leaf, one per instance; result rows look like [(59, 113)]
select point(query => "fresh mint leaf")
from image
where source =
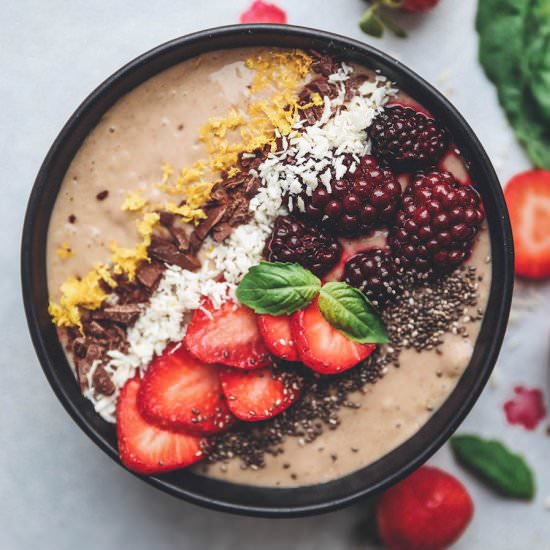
[(493, 463), (349, 310), (278, 288)]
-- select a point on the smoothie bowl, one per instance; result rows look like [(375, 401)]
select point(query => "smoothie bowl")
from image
[(267, 269)]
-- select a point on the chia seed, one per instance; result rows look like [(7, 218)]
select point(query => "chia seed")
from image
[(418, 319)]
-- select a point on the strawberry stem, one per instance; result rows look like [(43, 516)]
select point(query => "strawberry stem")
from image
[(373, 21)]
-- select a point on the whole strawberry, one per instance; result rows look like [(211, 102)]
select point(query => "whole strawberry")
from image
[(428, 510)]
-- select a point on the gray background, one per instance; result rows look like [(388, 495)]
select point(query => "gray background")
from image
[(57, 489)]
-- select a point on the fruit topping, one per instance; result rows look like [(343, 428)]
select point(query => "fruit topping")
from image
[(528, 199), (407, 138), (228, 335), (435, 229), (293, 241), (428, 510), (145, 448), (375, 273), (263, 12), (180, 393), (417, 6), (360, 201), (258, 395), (322, 347), (277, 335)]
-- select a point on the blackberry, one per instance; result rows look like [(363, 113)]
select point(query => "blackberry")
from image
[(435, 229), (356, 204), (374, 272), (293, 241), (407, 138)]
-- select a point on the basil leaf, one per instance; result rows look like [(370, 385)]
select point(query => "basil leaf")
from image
[(278, 288), (349, 310), (493, 463), (514, 51)]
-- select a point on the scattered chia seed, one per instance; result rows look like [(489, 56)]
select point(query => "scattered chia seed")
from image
[(418, 319)]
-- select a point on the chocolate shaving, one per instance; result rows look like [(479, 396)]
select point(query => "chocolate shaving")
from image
[(102, 382), (323, 64), (164, 250), (166, 218), (124, 314), (181, 238), (221, 232), (149, 274), (213, 216), (102, 195)]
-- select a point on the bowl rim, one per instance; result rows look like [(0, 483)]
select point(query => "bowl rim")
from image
[(33, 259)]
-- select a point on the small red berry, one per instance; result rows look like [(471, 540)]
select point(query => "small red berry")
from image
[(407, 138), (293, 241)]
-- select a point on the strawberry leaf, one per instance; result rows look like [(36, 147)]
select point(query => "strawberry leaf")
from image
[(493, 463), (348, 310), (278, 288)]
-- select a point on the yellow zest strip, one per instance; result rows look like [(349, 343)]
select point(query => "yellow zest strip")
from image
[(280, 75), (64, 251)]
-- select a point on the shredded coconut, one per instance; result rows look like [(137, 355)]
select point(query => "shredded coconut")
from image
[(305, 159)]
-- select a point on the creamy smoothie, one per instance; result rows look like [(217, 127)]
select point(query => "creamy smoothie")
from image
[(292, 159)]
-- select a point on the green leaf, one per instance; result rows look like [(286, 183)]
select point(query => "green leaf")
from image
[(349, 310), (493, 463), (370, 22), (278, 288), (514, 50)]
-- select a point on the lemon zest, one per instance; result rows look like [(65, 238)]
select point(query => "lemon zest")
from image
[(65, 251)]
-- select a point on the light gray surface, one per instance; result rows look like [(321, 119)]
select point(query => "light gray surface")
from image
[(58, 490)]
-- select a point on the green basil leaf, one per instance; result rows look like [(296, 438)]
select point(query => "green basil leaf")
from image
[(349, 310), (493, 463), (278, 288)]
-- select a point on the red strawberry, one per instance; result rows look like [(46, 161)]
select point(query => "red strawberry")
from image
[(259, 394), (428, 510), (323, 348), (262, 12), (275, 330), (416, 6), (145, 448), (180, 393), (528, 199), (228, 335)]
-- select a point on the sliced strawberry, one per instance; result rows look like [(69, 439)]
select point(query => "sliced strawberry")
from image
[(275, 330), (228, 335), (180, 393), (323, 348), (259, 394), (528, 199), (145, 448)]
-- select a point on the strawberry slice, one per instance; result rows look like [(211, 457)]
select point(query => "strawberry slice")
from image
[(528, 199), (228, 335), (323, 348), (148, 449), (180, 393), (259, 394), (275, 330)]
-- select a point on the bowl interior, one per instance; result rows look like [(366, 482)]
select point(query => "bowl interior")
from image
[(221, 494)]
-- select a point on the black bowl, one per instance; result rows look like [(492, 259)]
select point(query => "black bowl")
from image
[(222, 495)]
